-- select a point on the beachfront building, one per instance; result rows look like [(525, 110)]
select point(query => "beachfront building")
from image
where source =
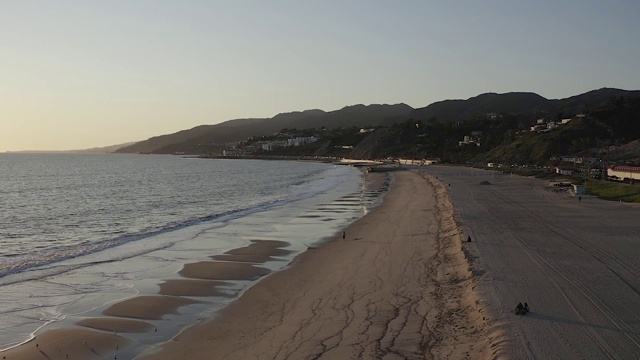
[(420, 162), (579, 160), (234, 152), (564, 170), (623, 172), (297, 141)]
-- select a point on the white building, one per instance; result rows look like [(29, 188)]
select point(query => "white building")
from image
[(301, 140), (623, 172), (469, 140), (564, 170), (579, 160), (270, 146)]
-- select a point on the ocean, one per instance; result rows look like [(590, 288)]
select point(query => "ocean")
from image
[(81, 231)]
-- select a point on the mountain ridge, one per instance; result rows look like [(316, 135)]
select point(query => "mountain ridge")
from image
[(214, 137)]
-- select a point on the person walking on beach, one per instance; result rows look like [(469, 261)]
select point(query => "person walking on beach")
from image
[(344, 235)]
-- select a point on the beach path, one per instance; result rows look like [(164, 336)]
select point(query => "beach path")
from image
[(397, 287), (576, 263)]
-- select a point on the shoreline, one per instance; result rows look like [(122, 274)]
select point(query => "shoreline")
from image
[(143, 321), (398, 283)]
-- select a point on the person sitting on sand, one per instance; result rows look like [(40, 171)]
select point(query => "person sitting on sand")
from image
[(519, 308), (526, 307)]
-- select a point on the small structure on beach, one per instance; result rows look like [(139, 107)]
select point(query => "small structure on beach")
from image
[(578, 190)]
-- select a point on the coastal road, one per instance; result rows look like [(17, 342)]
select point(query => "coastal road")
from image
[(576, 263)]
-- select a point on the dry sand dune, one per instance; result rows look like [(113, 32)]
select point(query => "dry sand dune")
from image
[(577, 264)]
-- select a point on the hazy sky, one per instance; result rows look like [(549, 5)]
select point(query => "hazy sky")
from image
[(79, 74)]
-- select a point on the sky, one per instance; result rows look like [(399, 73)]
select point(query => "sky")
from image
[(83, 74)]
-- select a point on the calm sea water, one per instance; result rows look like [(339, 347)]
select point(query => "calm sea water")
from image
[(78, 231)]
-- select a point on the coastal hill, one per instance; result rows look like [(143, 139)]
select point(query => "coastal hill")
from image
[(526, 106), (193, 140)]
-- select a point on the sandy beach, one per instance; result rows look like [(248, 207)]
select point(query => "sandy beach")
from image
[(398, 286), (576, 262)]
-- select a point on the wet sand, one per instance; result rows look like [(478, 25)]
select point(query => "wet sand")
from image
[(214, 270), (69, 344), (147, 307), (180, 287), (259, 251), (116, 325)]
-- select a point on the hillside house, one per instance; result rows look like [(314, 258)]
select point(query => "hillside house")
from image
[(467, 140), (297, 141)]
